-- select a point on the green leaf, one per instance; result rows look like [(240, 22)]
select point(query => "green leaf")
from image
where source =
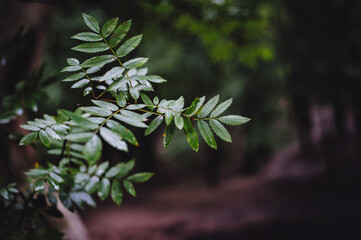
[(98, 61), (52, 133), (192, 107), (133, 115), (113, 139), (4, 193), (92, 169), (81, 137), (134, 63), (80, 83), (156, 100), (91, 47), (104, 189), (30, 128), (81, 177), (125, 133), (87, 37), (140, 177), (168, 135), (29, 138), (82, 199), (45, 138), (130, 188), (207, 134), (208, 107), (195, 107), (220, 130), (49, 119), (109, 27), (109, 106), (91, 22), (71, 69), (121, 100), (129, 46), (113, 74), (81, 121), (119, 33), (73, 61), (87, 91), (117, 192), (135, 106), (39, 185), (234, 119), (178, 120), (97, 111), (92, 184), (37, 172), (94, 70), (155, 79), (134, 92), (126, 168), (102, 168), (221, 108), (56, 177), (53, 183), (168, 116), (154, 125), (37, 124), (74, 77), (112, 172), (130, 121), (191, 134), (178, 104), (92, 150), (146, 100)]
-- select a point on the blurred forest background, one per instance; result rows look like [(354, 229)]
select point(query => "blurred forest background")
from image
[(292, 66)]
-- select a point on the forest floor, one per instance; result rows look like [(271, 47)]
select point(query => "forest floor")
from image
[(290, 199)]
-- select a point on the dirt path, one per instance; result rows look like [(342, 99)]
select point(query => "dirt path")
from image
[(283, 202)]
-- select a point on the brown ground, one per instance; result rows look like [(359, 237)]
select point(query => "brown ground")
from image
[(290, 199)]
